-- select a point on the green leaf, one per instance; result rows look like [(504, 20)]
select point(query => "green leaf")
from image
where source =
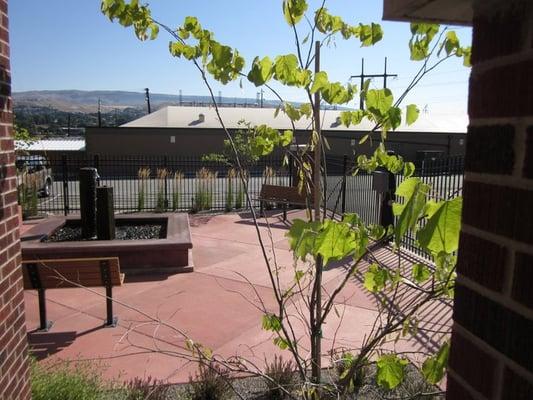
[(261, 71), (370, 34), (366, 85), (379, 101), (451, 43), (415, 193), (421, 273), (419, 50), (271, 322), (351, 117), (287, 71), (192, 25), (302, 237), (434, 368), (357, 116), (411, 114), (332, 93), (306, 109), (390, 371), (283, 344), (327, 23), (376, 278), (376, 231), (408, 169), (298, 275), (467, 52), (286, 138), (395, 117), (335, 241), (292, 112), (320, 81), (346, 118), (422, 35), (424, 29), (441, 232), (285, 68), (294, 10)]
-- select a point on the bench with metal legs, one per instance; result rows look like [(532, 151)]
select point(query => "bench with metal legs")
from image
[(284, 195), (42, 275)]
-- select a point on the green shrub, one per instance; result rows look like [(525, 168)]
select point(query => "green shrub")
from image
[(203, 199), (146, 388), (66, 381), (239, 198), (343, 362), (282, 379), (178, 176), (143, 174), (210, 383), (161, 200), (229, 192)]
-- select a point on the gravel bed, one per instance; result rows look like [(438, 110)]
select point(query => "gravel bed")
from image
[(122, 232), (254, 388)]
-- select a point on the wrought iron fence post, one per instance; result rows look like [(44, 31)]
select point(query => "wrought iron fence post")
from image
[(291, 161), (165, 166), (96, 162), (65, 184), (344, 172)]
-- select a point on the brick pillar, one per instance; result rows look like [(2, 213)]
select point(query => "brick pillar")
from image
[(492, 341), (14, 382)]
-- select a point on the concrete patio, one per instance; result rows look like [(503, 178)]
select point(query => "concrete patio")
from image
[(215, 305)]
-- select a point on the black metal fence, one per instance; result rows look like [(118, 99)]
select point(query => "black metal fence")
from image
[(355, 193), (445, 177), (143, 183), (157, 183)]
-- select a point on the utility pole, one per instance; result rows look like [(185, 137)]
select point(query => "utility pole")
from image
[(147, 97), (99, 113), (362, 76)]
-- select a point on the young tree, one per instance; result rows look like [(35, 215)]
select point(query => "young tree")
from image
[(321, 240)]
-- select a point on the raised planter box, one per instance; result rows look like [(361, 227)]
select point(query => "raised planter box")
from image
[(169, 254)]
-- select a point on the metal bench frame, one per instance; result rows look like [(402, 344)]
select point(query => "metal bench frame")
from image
[(33, 268), (285, 195)]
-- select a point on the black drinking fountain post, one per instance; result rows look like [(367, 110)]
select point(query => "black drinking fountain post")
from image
[(88, 178), (105, 216), (96, 207)]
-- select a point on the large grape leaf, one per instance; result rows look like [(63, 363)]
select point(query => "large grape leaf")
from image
[(441, 232)]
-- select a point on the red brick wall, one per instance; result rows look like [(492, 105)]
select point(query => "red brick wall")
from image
[(492, 343), (13, 345)]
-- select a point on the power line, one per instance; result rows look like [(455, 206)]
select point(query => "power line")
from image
[(447, 83), (362, 76)]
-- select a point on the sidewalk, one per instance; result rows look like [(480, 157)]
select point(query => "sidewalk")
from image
[(215, 305)]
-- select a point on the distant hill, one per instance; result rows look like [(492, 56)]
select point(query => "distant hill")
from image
[(87, 101)]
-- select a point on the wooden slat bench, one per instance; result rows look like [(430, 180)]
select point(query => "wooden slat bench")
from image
[(41, 275), (285, 195)]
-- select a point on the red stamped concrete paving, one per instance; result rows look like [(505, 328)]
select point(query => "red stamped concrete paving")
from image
[(216, 305)]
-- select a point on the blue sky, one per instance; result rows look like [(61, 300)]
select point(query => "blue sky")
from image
[(69, 44)]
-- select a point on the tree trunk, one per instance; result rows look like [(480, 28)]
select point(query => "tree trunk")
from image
[(316, 308)]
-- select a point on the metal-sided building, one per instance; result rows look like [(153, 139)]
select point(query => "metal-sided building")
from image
[(194, 131)]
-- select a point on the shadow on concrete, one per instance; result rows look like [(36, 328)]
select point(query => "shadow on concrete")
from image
[(280, 224), (146, 277), (44, 344)]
